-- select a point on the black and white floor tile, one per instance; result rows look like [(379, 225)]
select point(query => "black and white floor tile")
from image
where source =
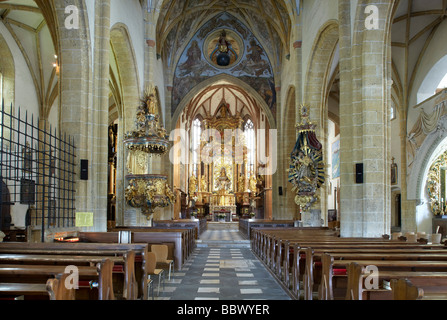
[(222, 273)]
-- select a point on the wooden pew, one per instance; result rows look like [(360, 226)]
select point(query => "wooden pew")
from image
[(57, 290), (314, 263), (274, 247), (130, 285), (49, 281), (181, 242), (326, 291), (199, 225), (404, 289), (432, 284)]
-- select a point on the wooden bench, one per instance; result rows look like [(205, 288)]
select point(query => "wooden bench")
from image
[(404, 289), (188, 239), (311, 260), (247, 225), (430, 282), (199, 225), (280, 251), (48, 281), (129, 260), (175, 240), (326, 288)]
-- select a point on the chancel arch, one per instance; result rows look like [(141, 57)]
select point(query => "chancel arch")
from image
[(222, 124)]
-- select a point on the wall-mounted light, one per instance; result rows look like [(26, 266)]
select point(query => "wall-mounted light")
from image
[(56, 64)]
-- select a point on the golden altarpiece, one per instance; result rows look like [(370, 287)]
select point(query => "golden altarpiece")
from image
[(227, 185)]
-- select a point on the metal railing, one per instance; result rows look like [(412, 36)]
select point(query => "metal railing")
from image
[(37, 171)]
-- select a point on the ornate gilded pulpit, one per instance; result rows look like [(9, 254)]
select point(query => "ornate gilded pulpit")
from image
[(147, 190)]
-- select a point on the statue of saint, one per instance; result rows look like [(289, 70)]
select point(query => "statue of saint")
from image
[(241, 183), (223, 182), (203, 183), (252, 184), (192, 185), (223, 43)]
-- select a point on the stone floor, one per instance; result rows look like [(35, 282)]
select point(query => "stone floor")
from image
[(222, 268)]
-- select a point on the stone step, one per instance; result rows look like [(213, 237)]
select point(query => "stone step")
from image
[(223, 243)]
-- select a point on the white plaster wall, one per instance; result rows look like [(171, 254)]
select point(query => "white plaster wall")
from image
[(26, 99), (434, 53), (90, 7), (315, 15), (130, 13)]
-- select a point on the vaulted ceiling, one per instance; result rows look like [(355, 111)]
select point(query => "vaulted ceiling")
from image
[(27, 22), (209, 100), (269, 20), (414, 25)]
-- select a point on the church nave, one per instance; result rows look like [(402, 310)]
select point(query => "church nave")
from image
[(228, 271)]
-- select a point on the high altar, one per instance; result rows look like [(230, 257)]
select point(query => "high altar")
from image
[(224, 202), (226, 186)]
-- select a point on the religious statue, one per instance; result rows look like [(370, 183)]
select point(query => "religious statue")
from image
[(192, 185), (241, 183), (223, 183), (150, 104), (223, 44), (252, 184), (203, 186), (307, 168), (223, 54)]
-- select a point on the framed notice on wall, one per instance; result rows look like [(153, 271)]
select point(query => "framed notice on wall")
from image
[(27, 191)]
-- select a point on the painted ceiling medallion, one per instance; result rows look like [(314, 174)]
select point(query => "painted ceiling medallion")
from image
[(223, 48)]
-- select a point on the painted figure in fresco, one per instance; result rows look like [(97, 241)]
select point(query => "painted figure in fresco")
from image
[(254, 52), (194, 56)]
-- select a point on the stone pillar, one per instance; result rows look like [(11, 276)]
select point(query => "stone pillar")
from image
[(98, 142), (84, 101), (364, 123)]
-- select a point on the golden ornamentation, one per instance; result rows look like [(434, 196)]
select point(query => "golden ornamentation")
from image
[(192, 185), (148, 192), (144, 190), (252, 182), (434, 185), (307, 168)]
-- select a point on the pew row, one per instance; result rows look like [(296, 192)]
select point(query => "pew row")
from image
[(180, 242), (129, 271), (389, 285), (284, 253), (49, 282), (199, 225)]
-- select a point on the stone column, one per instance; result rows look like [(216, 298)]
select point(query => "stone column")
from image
[(98, 142), (364, 123), (84, 101)]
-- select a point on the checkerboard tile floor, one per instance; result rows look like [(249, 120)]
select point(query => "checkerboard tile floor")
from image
[(222, 273)]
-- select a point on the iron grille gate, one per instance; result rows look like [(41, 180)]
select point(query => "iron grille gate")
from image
[(37, 171)]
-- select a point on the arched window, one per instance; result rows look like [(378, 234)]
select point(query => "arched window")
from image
[(250, 140), (393, 112), (443, 83), (196, 132)]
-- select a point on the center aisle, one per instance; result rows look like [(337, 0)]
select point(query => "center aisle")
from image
[(222, 270)]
